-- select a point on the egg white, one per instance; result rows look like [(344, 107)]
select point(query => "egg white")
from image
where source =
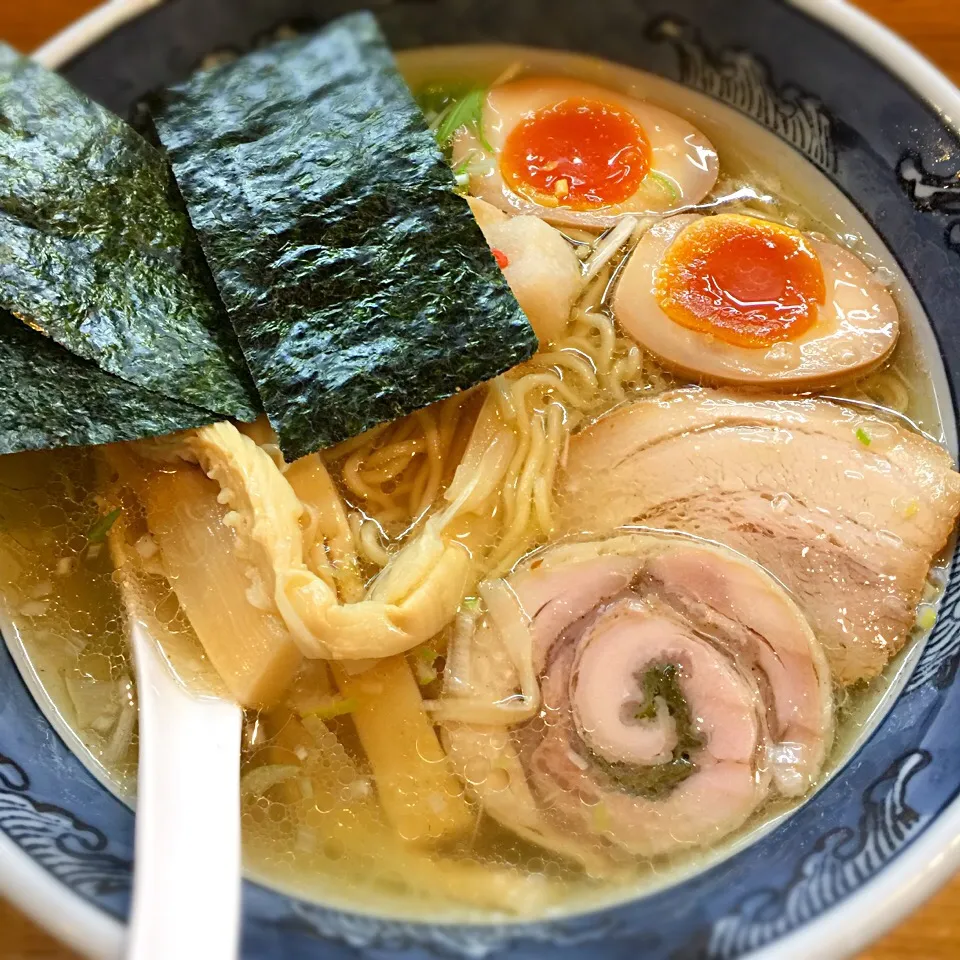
[(684, 163), (856, 329)]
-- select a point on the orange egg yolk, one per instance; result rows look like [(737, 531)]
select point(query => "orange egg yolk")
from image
[(579, 153), (746, 281)]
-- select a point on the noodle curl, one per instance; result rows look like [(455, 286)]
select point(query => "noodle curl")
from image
[(391, 500)]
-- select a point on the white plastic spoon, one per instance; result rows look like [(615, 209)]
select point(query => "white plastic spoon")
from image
[(186, 882), (186, 895)]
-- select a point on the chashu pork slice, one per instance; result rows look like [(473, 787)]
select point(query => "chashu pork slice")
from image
[(679, 688), (847, 509)]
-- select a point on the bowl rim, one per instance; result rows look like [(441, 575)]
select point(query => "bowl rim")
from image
[(934, 859), (881, 903)]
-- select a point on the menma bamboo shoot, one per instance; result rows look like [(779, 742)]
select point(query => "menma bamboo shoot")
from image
[(251, 649)]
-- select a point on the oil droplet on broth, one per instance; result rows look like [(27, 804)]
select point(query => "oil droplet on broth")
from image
[(59, 593), (499, 779)]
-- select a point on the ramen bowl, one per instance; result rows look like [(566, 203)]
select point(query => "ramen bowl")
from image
[(858, 109)]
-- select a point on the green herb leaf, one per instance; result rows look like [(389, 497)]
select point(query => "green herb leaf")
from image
[(864, 437), (466, 112), (50, 398), (98, 532), (97, 252), (359, 283)]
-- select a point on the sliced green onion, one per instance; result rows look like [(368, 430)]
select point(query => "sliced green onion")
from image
[(864, 437), (667, 184), (424, 665), (332, 708), (98, 532), (425, 674), (461, 173)]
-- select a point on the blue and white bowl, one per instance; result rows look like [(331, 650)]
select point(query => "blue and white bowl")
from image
[(884, 833)]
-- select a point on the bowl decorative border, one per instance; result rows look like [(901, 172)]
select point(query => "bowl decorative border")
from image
[(811, 886)]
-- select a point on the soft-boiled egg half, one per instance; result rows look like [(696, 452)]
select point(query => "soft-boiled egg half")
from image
[(581, 155), (737, 299)]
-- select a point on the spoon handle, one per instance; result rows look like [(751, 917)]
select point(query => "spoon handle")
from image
[(186, 894), (86, 31)]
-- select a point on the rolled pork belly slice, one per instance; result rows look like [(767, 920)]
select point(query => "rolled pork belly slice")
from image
[(846, 508), (679, 688)]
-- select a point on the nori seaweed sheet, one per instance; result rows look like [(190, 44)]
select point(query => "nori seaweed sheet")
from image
[(97, 251), (358, 282), (50, 398)]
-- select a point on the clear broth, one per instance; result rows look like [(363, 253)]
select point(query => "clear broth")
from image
[(65, 622)]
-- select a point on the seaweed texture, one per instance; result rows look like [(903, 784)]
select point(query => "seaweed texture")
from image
[(661, 688), (97, 251), (357, 280), (50, 398)]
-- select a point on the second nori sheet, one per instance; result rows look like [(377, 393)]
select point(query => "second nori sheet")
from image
[(357, 280), (50, 398), (97, 251)]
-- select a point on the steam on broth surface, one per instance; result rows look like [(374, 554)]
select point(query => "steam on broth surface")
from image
[(464, 581)]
